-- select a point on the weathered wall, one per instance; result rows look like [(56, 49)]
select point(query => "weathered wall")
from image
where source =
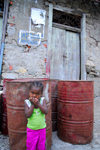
[(18, 63), (93, 52)]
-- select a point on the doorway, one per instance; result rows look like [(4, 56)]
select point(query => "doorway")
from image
[(65, 47)]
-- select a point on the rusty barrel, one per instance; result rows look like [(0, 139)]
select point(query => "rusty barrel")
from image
[(1, 101), (4, 127), (17, 91), (75, 111), (54, 103)]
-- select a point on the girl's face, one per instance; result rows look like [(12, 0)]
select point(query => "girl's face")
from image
[(35, 93)]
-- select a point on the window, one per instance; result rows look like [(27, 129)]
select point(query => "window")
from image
[(66, 19)]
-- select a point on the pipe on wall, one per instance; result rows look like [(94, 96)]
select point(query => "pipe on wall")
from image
[(5, 14), (1, 57)]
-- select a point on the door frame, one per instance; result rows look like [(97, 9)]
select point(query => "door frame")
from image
[(82, 32)]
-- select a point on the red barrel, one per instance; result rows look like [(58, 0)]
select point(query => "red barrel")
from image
[(75, 111), (54, 103), (17, 91), (1, 102), (4, 127)]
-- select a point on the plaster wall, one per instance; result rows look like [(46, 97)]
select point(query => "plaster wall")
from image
[(18, 61)]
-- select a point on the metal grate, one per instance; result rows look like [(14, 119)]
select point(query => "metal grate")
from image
[(66, 19)]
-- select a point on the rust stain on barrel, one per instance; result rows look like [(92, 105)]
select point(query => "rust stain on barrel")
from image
[(75, 111)]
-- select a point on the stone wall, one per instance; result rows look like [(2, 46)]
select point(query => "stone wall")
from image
[(18, 62)]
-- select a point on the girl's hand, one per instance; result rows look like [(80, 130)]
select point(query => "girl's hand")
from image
[(43, 107), (36, 102), (31, 99)]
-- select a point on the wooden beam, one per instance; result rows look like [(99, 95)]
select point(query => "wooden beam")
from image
[(65, 27), (83, 47), (49, 34), (67, 10)]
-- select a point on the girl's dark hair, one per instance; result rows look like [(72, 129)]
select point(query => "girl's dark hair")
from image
[(37, 84)]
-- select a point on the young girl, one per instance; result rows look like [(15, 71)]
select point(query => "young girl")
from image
[(35, 110)]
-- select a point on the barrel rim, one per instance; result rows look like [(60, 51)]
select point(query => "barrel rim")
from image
[(27, 80), (75, 81)]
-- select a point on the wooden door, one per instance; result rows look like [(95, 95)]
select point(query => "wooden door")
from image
[(65, 55)]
